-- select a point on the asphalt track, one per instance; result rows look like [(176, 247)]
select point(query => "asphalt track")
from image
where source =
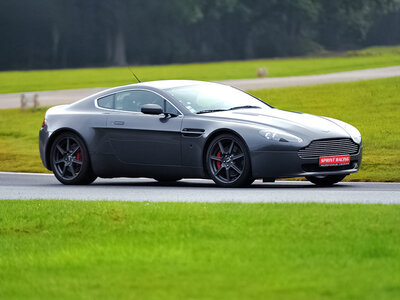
[(49, 98), (27, 186)]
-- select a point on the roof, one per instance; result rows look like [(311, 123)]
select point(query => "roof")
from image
[(166, 84)]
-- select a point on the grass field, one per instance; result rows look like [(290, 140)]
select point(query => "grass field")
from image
[(24, 81), (372, 106), (19, 134), (119, 250)]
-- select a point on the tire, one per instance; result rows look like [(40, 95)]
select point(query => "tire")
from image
[(228, 161), (325, 180), (70, 161)]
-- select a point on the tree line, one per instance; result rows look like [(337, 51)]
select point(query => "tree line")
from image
[(79, 33)]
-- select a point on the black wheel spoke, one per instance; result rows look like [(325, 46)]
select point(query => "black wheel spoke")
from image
[(64, 169), (228, 177), (74, 150), (235, 157), (217, 158), (76, 161), (219, 170), (71, 169), (231, 147), (221, 148), (61, 150), (59, 161), (233, 166), (68, 146)]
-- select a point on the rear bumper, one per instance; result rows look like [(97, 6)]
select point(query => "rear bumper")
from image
[(43, 140), (285, 164)]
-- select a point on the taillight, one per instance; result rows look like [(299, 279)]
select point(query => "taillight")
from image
[(44, 123)]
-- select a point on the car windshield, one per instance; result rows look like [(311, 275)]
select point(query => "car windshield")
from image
[(206, 98)]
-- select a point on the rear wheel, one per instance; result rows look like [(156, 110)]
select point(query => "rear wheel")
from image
[(228, 162), (69, 159), (325, 180)]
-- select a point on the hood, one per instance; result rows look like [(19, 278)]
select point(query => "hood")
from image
[(303, 125)]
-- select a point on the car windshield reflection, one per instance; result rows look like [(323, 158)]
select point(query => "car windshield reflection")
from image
[(205, 98)]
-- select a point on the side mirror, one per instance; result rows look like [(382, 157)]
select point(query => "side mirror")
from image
[(151, 109)]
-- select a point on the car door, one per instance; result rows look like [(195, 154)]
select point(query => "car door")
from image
[(142, 139)]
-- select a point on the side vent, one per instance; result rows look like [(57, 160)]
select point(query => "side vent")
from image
[(192, 132)]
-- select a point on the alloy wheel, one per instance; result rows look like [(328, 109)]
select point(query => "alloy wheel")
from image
[(67, 158), (227, 160)]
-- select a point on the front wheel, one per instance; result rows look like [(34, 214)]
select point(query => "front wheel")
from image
[(69, 159), (228, 162), (325, 180)]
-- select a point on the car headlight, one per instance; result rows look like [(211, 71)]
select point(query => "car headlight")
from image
[(280, 136), (351, 130)]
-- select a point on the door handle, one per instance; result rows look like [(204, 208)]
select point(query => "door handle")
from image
[(119, 122)]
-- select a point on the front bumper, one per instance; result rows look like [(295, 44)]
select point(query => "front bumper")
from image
[(285, 164)]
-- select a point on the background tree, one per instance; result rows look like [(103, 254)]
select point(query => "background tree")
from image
[(80, 33)]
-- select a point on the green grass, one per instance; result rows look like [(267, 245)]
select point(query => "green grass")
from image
[(25, 81), (371, 106), (19, 134), (122, 250)]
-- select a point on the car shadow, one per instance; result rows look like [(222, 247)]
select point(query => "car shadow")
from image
[(207, 184)]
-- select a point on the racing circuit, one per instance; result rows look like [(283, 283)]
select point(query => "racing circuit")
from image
[(45, 186)]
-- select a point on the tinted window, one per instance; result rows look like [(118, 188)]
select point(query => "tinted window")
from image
[(170, 109), (106, 102), (134, 100)]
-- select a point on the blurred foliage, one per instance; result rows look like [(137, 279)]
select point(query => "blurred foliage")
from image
[(75, 33)]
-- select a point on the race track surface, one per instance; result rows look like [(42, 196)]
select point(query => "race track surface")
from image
[(50, 98), (45, 186)]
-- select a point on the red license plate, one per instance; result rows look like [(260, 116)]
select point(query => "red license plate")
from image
[(338, 160)]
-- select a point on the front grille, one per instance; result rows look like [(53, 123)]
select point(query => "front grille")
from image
[(331, 147)]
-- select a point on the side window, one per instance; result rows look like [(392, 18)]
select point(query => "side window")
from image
[(170, 109), (106, 102), (134, 100)]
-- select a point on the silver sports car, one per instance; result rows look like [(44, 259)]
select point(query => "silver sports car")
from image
[(175, 129)]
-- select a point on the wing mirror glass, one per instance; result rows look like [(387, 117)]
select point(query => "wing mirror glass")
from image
[(151, 109)]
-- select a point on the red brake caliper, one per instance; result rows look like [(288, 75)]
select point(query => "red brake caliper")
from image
[(218, 162), (78, 156)]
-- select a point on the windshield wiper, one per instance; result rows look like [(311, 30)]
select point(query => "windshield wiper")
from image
[(220, 109), (210, 111), (244, 106)]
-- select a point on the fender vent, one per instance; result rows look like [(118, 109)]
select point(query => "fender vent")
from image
[(192, 132)]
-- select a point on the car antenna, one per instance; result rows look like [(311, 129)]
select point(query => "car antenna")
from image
[(134, 75)]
